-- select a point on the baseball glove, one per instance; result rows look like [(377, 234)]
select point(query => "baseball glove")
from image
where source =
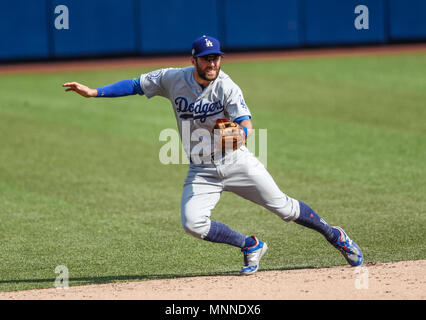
[(228, 135)]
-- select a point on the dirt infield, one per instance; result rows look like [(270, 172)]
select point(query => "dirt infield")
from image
[(405, 280)]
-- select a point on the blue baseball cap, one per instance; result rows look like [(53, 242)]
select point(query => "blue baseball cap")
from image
[(206, 45)]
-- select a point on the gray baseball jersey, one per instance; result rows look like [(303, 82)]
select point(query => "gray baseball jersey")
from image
[(239, 171), (196, 110)]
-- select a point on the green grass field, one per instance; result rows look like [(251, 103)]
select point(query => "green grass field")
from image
[(81, 184)]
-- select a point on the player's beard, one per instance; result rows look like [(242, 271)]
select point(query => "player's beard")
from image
[(204, 74)]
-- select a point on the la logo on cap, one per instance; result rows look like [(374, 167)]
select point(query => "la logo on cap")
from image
[(206, 45)]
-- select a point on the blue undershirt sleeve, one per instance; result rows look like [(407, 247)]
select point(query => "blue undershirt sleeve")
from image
[(242, 118), (137, 86), (121, 88)]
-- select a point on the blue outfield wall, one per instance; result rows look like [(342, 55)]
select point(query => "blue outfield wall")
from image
[(407, 19), (328, 22), (259, 24), (170, 26), (28, 29), (23, 29), (95, 27)]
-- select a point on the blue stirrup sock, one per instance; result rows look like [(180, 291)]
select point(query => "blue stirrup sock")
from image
[(308, 218), (221, 233)]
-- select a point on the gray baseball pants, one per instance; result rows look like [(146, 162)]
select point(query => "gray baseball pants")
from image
[(239, 172)]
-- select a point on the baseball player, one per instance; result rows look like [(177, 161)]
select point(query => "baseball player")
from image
[(214, 122)]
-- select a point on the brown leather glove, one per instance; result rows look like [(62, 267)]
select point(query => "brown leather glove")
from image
[(228, 135)]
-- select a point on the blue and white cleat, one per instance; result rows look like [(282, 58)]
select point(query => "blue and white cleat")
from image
[(252, 256), (348, 248)]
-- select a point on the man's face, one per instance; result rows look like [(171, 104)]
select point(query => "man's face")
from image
[(208, 67)]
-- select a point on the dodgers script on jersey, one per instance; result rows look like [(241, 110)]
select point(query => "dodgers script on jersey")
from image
[(196, 109)]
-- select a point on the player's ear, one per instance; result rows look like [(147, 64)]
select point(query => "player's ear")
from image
[(193, 61)]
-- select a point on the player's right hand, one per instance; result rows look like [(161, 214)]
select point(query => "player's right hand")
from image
[(81, 89)]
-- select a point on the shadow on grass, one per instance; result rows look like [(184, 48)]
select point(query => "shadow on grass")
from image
[(107, 279), (119, 278)]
